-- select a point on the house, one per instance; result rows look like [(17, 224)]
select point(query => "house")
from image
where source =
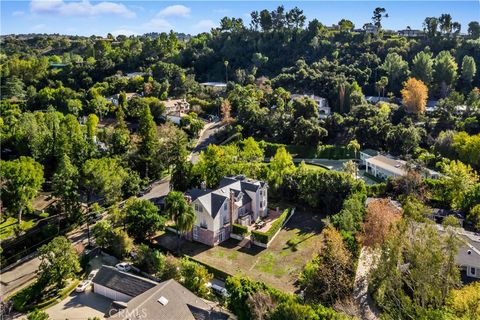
[(129, 95), (168, 300), (120, 286), (468, 255), (370, 28), (411, 33), (221, 85), (386, 166), (176, 109), (237, 200), (43, 202), (322, 103)]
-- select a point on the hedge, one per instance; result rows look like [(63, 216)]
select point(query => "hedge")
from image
[(239, 229), (265, 237)]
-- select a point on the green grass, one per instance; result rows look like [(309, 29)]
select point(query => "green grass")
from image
[(315, 167), (7, 227)]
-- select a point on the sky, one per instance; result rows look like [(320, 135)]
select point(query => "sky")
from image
[(84, 17)]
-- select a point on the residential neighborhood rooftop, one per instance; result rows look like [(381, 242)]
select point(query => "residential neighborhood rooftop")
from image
[(123, 282)]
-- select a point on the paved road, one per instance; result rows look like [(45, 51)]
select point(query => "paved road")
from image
[(206, 138), (21, 275), (159, 188)]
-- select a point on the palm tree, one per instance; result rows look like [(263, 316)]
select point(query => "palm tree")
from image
[(225, 63), (355, 146), (181, 212)]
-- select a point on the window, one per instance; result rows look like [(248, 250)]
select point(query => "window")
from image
[(261, 192), (204, 224), (196, 207), (472, 270), (225, 206), (261, 204)]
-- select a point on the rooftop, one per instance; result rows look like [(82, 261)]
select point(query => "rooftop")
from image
[(392, 165), (170, 300), (123, 282)]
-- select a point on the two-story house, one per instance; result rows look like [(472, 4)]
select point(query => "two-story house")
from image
[(237, 200)]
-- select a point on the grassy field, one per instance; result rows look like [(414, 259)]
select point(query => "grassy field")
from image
[(279, 265), (8, 226)]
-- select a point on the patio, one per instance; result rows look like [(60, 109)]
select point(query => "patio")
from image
[(265, 223)]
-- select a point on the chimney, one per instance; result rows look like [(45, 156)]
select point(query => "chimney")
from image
[(232, 205), (203, 185)]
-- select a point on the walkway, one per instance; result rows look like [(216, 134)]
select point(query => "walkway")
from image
[(368, 311)]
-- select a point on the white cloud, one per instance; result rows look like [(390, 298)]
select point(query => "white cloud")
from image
[(175, 11), (204, 25), (79, 8), (18, 13), (157, 24), (124, 32)]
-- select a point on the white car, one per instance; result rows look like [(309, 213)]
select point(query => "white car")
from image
[(82, 286), (92, 274), (123, 266), (218, 289)]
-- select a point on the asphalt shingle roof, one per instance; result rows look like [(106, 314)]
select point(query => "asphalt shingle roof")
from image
[(181, 304), (123, 282)]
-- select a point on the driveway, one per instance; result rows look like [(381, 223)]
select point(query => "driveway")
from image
[(159, 188), (206, 137), (80, 306)]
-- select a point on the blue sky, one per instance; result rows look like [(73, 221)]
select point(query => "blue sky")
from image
[(83, 17)]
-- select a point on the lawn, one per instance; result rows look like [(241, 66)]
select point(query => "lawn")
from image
[(315, 167), (7, 226), (278, 266)]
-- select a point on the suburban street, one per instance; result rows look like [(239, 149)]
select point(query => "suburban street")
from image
[(22, 274)]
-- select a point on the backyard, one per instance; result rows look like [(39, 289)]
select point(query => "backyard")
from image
[(278, 266)]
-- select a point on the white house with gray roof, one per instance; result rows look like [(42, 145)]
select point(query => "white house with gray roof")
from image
[(237, 200)]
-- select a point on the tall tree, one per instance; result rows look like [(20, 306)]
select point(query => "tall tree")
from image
[(469, 69), (148, 145), (378, 14), (445, 72), (474, 29), (142, 218), (415, 95), (65, 183), (181, 212), (422, 67), (329, 276), (58, 262), (280, 165), (380, 221), (396, 69), (21, 179)]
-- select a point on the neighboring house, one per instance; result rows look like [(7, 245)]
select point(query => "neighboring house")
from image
[(370, 28), (167, 301), (176, 109), (237, 200), (42, 202), (385, 166), (221, 85), (438, 214), (468, 255), (411, 33), (120, 286), (129, 95), (376, 99), (323, 108)]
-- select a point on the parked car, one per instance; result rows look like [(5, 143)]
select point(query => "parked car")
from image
[(82, 286), (92, 274), (218, 289), (123, 266)]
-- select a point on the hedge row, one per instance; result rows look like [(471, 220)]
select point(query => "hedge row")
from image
[(265, 237), (376, 190), (239, 229)]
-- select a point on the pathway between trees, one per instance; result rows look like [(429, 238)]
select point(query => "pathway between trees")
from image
[(368, 311)]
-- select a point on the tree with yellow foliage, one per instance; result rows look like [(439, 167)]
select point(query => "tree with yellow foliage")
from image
[(415, 94)]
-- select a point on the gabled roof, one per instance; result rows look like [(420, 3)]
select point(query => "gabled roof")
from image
[(123, 282), (212, 200), (170, 300)]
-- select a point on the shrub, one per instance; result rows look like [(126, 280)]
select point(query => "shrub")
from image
[(376, 190), (265, 237), (239, 229)]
